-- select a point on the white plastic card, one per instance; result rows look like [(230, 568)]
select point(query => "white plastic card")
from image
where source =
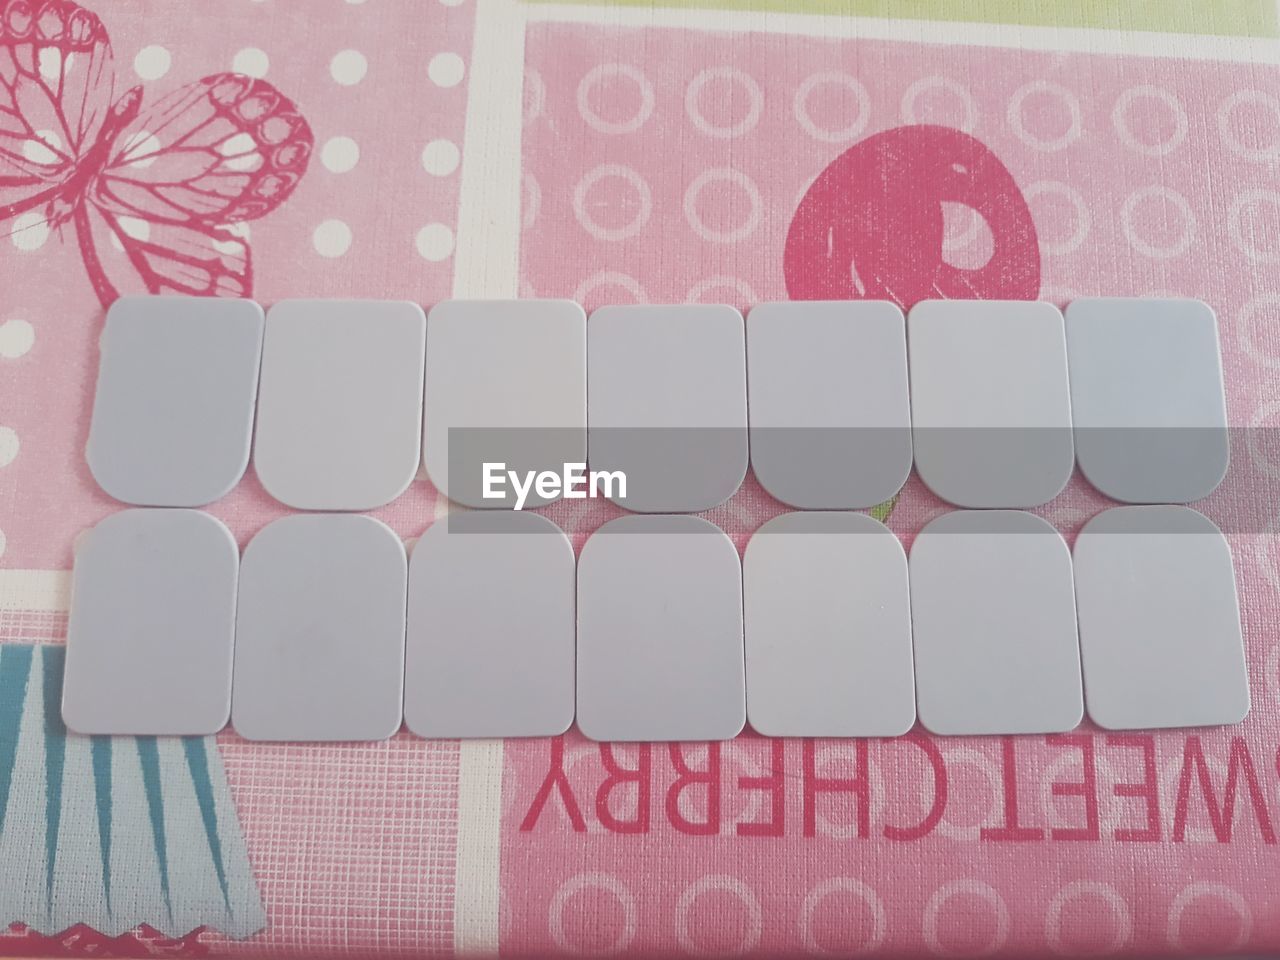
[(994, 624), (660, 632), (506, 384), (990, 405), (490, 645), (1147, 398), (667, 403), (828, 628), (173, 410), (320, 631), (1160, 630), (149, 641), (828, 399), (340, 402)]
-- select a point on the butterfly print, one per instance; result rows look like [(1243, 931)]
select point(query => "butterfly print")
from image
[(153, 194)]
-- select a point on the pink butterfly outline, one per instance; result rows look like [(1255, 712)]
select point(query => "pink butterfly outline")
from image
[(151, 193)]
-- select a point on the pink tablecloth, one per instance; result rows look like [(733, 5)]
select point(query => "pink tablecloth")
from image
[(426, 148)]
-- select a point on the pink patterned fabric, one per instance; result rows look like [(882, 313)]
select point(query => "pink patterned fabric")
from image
[(690, 155), (665, 164)]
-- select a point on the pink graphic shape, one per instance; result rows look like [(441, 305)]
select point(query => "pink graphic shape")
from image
[(872, 225), (159, 185)]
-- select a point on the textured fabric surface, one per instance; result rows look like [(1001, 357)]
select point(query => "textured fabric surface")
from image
[(420, 149)]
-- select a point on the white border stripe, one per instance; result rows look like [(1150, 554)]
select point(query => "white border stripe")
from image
[(487, 265), (487, 256), (42, 591), (952, 33), (475, 888)]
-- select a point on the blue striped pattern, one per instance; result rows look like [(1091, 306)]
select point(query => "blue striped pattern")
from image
[(75, 768)]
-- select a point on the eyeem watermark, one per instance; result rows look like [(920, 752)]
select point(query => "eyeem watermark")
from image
[(574, 482)]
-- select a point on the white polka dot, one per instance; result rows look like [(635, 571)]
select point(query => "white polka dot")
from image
[(152, 62), (8, 445), (435, 242), (348, 67), (440, 157), (251, 61), (446, 69), (16, 338), (2, 543), (340, 154), (30, 231), (332, 238)]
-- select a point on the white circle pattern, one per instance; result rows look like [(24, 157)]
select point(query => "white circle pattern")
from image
[(925, 84), (1193, 892), (251, 61), (1120, 120), (1234, 144), (1246, 321), (588, 221), (599, 123), (958, 756), (592, 881), (741, 289), (332, 238), (958, 888), (440, 157), (340, 154), (1120, 914), (610, 278), (1246, 201), (446, 69), (16, 338), (348, 67), (1158, 251), (839, 134), (8, 445), (1018, 125), (722, 175), (693, 108), (152, 62), (879, 923), (1077, 237), (435, 242), (29, 231), (725, 884)]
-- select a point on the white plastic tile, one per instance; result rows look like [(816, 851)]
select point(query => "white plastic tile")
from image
[(990, 404), (1159, 620), (173, 411), (660, 632), (490, 646), (828, 400), (340, 402), (994, 624), (1147, 398), (667, 403), (149, 641), (506, 383), (828, 628), (320, 631)]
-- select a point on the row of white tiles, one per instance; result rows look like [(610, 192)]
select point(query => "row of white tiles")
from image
[(994, 401), (325, 630)]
